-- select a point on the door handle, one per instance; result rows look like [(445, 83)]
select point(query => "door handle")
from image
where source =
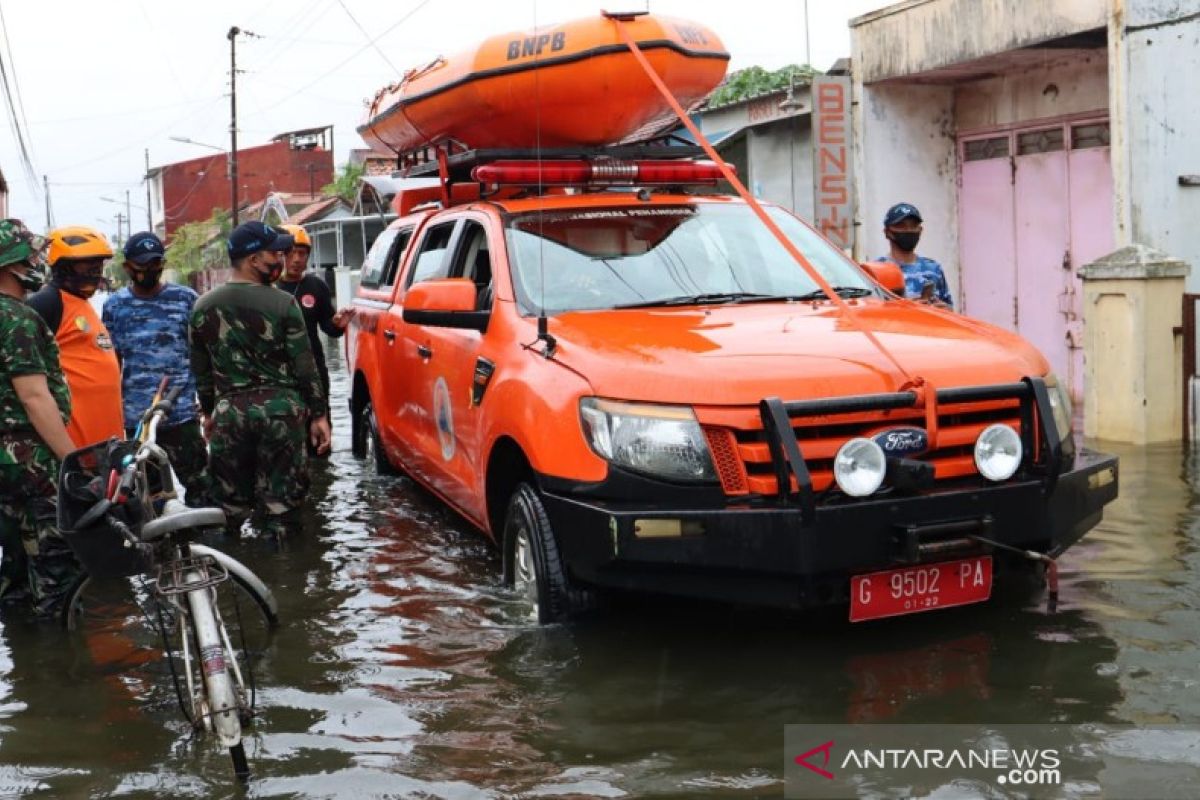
[(424, 352), (389, 335)]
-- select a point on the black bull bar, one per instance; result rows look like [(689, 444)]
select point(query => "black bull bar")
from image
[(788, 462)]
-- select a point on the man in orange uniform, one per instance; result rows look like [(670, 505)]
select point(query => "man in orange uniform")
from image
[(77, 255)]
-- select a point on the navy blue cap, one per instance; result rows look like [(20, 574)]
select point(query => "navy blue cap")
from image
[(254, 237), (901, 211), (144, 248)]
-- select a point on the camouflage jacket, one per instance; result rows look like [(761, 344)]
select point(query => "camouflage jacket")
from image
[(151, 338), (246, 337), (27, 347)]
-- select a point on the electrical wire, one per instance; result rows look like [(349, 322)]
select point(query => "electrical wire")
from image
[(16, 111), (366, 35), (345, 61)]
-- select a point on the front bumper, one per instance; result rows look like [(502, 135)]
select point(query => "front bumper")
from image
[(764, 553)]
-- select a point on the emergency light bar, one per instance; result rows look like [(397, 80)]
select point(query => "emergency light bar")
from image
[(599, 172)]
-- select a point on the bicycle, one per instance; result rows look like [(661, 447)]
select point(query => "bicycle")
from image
[(120, 512)]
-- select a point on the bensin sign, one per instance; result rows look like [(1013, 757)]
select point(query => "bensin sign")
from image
[(831, 146)]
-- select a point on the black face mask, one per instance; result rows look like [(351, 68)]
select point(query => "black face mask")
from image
[(80, 285), (145, 280), (271, 275), (905, 240)]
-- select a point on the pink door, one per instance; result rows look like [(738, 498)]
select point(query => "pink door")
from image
[(989, 283), (1034, 206)]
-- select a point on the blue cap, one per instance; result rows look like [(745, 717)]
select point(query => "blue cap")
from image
[(144, 248), (901, 211), (254, 237)]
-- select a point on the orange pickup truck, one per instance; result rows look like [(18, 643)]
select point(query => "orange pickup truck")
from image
[(640, 390)]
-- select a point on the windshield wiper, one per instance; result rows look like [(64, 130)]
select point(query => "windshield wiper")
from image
[(712, 299), (842, 291)]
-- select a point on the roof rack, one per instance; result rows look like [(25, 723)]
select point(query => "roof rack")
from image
[(459, 165)]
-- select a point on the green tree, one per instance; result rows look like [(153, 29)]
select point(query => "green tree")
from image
[(345, 185), (196, 246), (754, 81)]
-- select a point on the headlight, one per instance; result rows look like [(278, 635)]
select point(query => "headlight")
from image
[(1060, 405), (998, 452), (859, 467), (662, 441)]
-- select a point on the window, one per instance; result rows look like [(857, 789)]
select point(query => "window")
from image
[(473, 260), (1049, 140), (430, 261), (1092, 135), (395, 257), (984, 149), (372, 269)]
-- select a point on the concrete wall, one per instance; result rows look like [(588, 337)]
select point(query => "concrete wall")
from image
[(922, 35), (905, 151), (1069, 82), (1161, 49), (781, 166)]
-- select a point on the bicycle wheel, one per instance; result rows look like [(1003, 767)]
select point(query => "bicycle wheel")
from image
[(116, 618), (222, 700)]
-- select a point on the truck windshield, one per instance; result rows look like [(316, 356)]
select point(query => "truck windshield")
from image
[(604, 258)]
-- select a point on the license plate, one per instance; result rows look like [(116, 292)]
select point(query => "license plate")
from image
[(927, 587)]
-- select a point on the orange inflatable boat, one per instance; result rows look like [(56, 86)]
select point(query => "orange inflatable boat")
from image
[(569, 84)]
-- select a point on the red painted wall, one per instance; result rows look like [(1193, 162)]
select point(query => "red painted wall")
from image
[(192, 189)]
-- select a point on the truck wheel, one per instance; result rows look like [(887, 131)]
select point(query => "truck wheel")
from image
[(532, 564), (373, 446)]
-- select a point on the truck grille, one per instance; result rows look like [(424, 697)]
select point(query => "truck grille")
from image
[(742, 456)]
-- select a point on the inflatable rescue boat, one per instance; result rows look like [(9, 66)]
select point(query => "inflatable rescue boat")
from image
[(566, 85)]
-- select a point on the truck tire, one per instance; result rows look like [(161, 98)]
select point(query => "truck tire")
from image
[(533, 565), (373, 444)]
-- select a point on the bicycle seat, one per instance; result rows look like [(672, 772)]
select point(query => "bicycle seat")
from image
[(177, 517)]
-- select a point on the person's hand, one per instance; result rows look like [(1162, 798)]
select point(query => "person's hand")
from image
[(343, 317), (320, 434), (206, 426)]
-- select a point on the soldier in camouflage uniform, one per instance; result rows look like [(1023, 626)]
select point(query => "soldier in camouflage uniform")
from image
[(35, 405), (258, 385), (148, 321)]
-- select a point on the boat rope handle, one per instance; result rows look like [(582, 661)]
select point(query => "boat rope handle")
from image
[(926, 397)]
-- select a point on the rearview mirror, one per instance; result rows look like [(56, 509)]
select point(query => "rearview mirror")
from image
[(445, 303), (887, 275)]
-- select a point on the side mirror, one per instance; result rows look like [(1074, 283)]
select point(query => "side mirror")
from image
[(887, 275), (445, 303)]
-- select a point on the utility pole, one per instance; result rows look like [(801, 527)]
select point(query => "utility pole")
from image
[(233, 171), (128, 212), (120, 219), (46, 191), (149, 216)]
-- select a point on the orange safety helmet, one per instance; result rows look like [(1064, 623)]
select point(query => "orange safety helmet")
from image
[(299, 235), (77, 242)]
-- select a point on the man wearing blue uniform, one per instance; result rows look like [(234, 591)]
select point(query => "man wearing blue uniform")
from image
[(148, 322), (923, 277)]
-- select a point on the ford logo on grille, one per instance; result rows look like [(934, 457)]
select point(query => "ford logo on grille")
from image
[(902, 442)]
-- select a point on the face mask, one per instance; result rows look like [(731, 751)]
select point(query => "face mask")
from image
[(146, 280), (80, 285), (32, 278), (272, 273), (905, 240)]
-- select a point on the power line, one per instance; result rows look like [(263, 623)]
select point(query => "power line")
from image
[(367, 36), (15, 109), (347, 60)]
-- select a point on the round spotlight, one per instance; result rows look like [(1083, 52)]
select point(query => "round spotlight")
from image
[(998, 452), (859, 467)]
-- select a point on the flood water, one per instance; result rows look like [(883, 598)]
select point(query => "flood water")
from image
[(403, 670)]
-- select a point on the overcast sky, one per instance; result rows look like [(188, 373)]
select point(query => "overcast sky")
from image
[(100, 82)]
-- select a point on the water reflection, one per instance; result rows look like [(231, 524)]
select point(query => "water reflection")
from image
[(403, 670)]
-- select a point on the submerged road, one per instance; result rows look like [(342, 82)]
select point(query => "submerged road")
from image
[(403, 670)]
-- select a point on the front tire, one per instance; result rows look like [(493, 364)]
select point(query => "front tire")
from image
[(533, 565), (373, 450)]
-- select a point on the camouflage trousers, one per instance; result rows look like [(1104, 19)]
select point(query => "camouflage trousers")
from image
[(256, 459), (36, 557), (184, 445)]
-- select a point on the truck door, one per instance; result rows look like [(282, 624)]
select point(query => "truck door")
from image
[(410, 380), (449, 363)]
